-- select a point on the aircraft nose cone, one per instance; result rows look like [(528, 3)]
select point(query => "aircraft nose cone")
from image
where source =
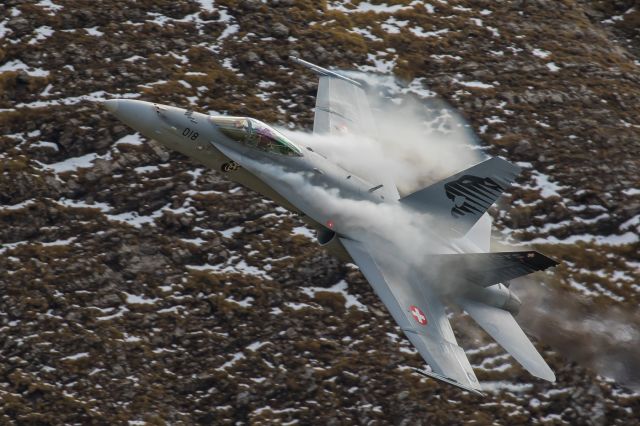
[(139, 115), (111, 105)]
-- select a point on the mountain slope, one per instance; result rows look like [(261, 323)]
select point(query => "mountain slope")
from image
[(136, 286)]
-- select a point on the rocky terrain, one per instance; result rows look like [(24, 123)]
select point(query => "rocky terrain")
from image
[(139, 288)]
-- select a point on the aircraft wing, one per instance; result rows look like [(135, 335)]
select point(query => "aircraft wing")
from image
[(341, 104), (419, 313), (342, 108)]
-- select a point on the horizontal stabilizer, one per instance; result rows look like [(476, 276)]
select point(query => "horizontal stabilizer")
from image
[(463, 198), (501, 325), (487, 269), (447, 380)]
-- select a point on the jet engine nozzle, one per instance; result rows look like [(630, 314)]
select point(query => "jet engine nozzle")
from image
[(497, 295), (512, 304), (325, 236), (330, 241)]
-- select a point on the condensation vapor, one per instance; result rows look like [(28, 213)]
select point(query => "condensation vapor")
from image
[(605, 339), (415, 142)]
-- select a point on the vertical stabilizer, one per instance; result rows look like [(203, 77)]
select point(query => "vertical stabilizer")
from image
[(480, 233), (461, 200)]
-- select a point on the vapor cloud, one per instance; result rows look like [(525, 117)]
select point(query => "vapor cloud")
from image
[(603, 339), (415, 142)]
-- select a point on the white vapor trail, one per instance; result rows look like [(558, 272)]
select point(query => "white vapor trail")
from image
[(414, 142)]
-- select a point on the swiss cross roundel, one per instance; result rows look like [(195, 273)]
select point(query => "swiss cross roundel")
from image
[(418, 315)]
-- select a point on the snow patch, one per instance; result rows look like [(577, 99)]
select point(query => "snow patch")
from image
[(298, 306), (93, 31), (420, 32), (18, 65), (340, 287), (42, 33), (544, 185), (206, 5), (134, 218), (475, 84), (133, 139), (228, 233), (498, 386), (245, 303), (382, 66), (79, 355), (59, 242), (146, 169), (195, 241), (304, 231), (263, 84), (18, 206), (228, 267), (541, 53), (228, 31), (256, 345), (366, 7), (134, 299), (553, 67), (392, 25), (4, 30), (236, 357), (49, 6), (73, 163), (365, 32)]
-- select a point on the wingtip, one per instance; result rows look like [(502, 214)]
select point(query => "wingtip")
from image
[(549, 376), (431, 374), (544, 372), (539, 261)]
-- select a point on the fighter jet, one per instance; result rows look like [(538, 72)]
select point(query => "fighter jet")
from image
[(450, 217)]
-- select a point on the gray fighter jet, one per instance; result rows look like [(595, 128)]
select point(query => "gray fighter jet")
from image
[(450, 217)]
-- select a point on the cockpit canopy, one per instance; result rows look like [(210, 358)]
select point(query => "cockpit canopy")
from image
[(256, 134)]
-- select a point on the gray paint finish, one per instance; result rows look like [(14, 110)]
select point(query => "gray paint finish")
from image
[(257, 156)]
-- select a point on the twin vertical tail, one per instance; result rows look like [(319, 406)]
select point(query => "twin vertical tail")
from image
[(460, 201)]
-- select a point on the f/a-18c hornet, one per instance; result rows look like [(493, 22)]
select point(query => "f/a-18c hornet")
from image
[(460, 269)]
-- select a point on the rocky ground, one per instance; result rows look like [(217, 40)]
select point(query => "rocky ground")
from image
[(137, 287)]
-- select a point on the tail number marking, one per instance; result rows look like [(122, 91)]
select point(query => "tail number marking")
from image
[(190, 134)]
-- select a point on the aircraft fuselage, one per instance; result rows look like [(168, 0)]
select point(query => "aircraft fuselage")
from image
[(295, 176)]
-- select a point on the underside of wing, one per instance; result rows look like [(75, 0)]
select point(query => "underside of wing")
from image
[(341, 104), (421, 316), (486, 269), (505, 330), (341, 107)]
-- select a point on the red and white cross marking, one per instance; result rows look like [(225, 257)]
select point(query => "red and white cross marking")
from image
[(419, 316)]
